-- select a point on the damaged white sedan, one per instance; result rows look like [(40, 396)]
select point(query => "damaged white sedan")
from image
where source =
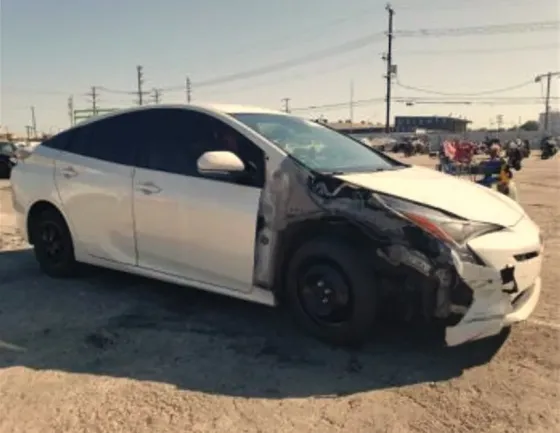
[(272, 208)]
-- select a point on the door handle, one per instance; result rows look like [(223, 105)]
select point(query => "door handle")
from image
[(68, 172), (148, 188)]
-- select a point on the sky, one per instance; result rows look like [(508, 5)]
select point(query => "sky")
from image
[(318, 53)]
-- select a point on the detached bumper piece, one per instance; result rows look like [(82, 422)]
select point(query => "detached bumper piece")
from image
[(495, 305)]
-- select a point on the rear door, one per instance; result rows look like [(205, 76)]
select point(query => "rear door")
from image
[(188, 225), (93, 176)]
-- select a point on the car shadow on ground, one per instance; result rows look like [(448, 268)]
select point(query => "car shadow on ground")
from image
[(116, 325)]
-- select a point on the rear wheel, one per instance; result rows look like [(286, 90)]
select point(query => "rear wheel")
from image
[(331, 292), (53, 245)]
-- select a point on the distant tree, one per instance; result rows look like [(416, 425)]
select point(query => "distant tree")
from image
[(530, 125)]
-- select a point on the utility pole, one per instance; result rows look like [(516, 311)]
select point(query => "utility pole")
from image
[(156, 95), (28, 130), (93, 94), (188, 90), (500, 121), (140, 82), (388, 57), (71, 110), (286, 102), (548, 77), (33, 122), (351, 104)]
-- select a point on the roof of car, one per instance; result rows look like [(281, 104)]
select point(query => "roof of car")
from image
[(234, 109), (217, 108)]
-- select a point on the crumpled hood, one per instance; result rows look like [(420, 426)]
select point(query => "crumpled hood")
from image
[(461, 197)]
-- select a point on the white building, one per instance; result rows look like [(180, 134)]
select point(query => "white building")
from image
[(553, 122)]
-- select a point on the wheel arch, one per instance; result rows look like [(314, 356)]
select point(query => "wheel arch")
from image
[(35, 210), (298, 234)]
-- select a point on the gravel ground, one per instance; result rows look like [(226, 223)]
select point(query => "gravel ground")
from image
[(114, 353)]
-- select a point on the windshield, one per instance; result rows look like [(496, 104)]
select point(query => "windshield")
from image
[(315, 146)]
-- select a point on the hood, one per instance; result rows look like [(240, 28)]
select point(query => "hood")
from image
[(461, 197)]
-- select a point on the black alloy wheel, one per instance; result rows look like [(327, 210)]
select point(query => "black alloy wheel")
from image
[(53, 244), (331, 291)]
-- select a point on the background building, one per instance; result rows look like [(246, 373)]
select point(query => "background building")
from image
[(430, 123)]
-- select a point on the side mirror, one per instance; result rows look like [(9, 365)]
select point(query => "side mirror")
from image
[(220, 162)]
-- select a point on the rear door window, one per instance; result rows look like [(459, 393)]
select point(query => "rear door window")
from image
[(114, 139)]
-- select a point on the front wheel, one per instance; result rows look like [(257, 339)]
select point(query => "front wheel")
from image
[(331, 292)]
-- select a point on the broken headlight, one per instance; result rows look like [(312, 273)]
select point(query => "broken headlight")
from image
[(450, 229)]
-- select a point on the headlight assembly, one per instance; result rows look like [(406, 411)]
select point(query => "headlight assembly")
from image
[(450, 229)]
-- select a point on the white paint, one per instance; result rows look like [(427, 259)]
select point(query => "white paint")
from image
[(460, 197)]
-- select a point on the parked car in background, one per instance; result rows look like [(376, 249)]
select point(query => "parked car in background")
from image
[(7, 158), (275, 209)]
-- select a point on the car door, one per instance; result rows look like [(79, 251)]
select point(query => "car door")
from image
[(93, 175), (188, 225)]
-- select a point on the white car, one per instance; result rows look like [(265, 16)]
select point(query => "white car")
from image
[(269, 207)]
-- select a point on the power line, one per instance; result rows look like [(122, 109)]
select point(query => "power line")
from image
[(484, 92), (120, 92), (541, 26), (521, 100), (357, 14), (352, 45), (495, 50), (464, 4), (370, 39)]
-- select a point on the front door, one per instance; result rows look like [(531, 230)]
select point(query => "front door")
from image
[(187, 225)]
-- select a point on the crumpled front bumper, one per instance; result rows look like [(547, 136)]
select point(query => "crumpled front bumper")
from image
[(496, 302), (491, 311)]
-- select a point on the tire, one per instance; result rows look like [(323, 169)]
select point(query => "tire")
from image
[(5, 170), (344, 264), (56, 262)]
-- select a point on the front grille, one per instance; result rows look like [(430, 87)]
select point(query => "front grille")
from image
[(526, 256)]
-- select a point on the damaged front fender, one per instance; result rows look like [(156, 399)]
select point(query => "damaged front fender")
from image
[(413, 267)]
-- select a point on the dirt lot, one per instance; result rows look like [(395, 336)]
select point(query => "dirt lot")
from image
[(113, 353)]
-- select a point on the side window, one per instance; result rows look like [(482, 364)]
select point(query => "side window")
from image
[(114, 139), (178, 137), (59, 141), (166, 144), (224, 137)]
